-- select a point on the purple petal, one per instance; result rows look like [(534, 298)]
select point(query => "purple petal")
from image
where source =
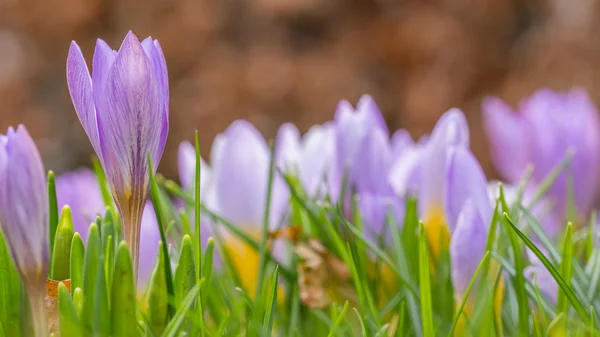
[(186, 162), (508, 139), (450, 130), (318, 156), (130, 127), (374, 210), (81, 191), (376, 159), (467, 246), (537, 272), (465, 180), (366, 104), (104, 57), (80, 89), (24, 205), (241, 174), (149, 239), (287, 145), (404, 175), (401, 140)]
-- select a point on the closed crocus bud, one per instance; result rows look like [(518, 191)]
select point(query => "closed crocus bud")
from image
[(543, 129), (309, 156), (124, 109), (352, 125), (24, 215)]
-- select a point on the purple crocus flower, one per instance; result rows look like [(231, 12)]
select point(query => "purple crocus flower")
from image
[(352, 127), (24, 215), (310, 156), (423, 171), (469, 211), (124, 109), (544, 128)]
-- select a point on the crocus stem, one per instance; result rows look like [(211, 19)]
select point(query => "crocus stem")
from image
[(131, 231), (38, 313)]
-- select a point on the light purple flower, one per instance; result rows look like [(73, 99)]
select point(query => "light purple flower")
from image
[(540, 276), (124, 109), (310, 156), (24, 206), (469, 212), (186, 163), (240, 164), (352, 126), (81, 191), (544, 128)]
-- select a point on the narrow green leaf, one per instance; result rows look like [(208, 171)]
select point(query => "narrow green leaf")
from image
[(207, 264), (363, 329), (92, 267), (467, 292), (566, 270), (10, 292), (549, 179), (107, 198), (158, 314), (185, 273), (123, 296), (78, 300), (262, 248), (168, 275), (338, 320), (61, 256), (173, 328), (272, 297), (109, 264), (198, 229), (425, 285), (555, 274), (101, 320), (68, 318), (52, 213), (77, 257)]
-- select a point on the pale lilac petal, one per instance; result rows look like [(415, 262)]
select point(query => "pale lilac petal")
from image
[(149, 239), (186, 163), (404, 175), (287, 145), (375, 209), (508, 138), (366, 104), (467, 246), (375, 163), (465, 180), (80, 89), (131, 125), (401, 140), (450, 130), (104, 57), (81, 191), (318, 156), (241, 175), (537, 272), (24, 205)]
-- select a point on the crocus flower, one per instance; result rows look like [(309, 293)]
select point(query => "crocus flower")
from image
[(309, 156), (240, 164), (24, 216), (352, 126), (81, 191), (124, 109), (541, 131), (424, 173)]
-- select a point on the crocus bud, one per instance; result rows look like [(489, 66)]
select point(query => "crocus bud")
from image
[(24, 215), (124, 109)]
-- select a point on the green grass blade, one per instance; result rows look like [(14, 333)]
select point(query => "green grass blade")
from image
[(198, 236), (91, 267), (52, 214), (61, 256), (262, 248), (555, 274), (270, 300), (566, 270), (467, 292), (339, 319), (173, 328), (425, 285), (158, 296), (123, 296), (69, 321), (77, 258)]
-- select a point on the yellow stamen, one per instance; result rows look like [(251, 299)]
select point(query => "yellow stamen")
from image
[(436, 229)]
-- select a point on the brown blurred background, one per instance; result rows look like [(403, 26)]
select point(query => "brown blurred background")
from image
[(273, 61)]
